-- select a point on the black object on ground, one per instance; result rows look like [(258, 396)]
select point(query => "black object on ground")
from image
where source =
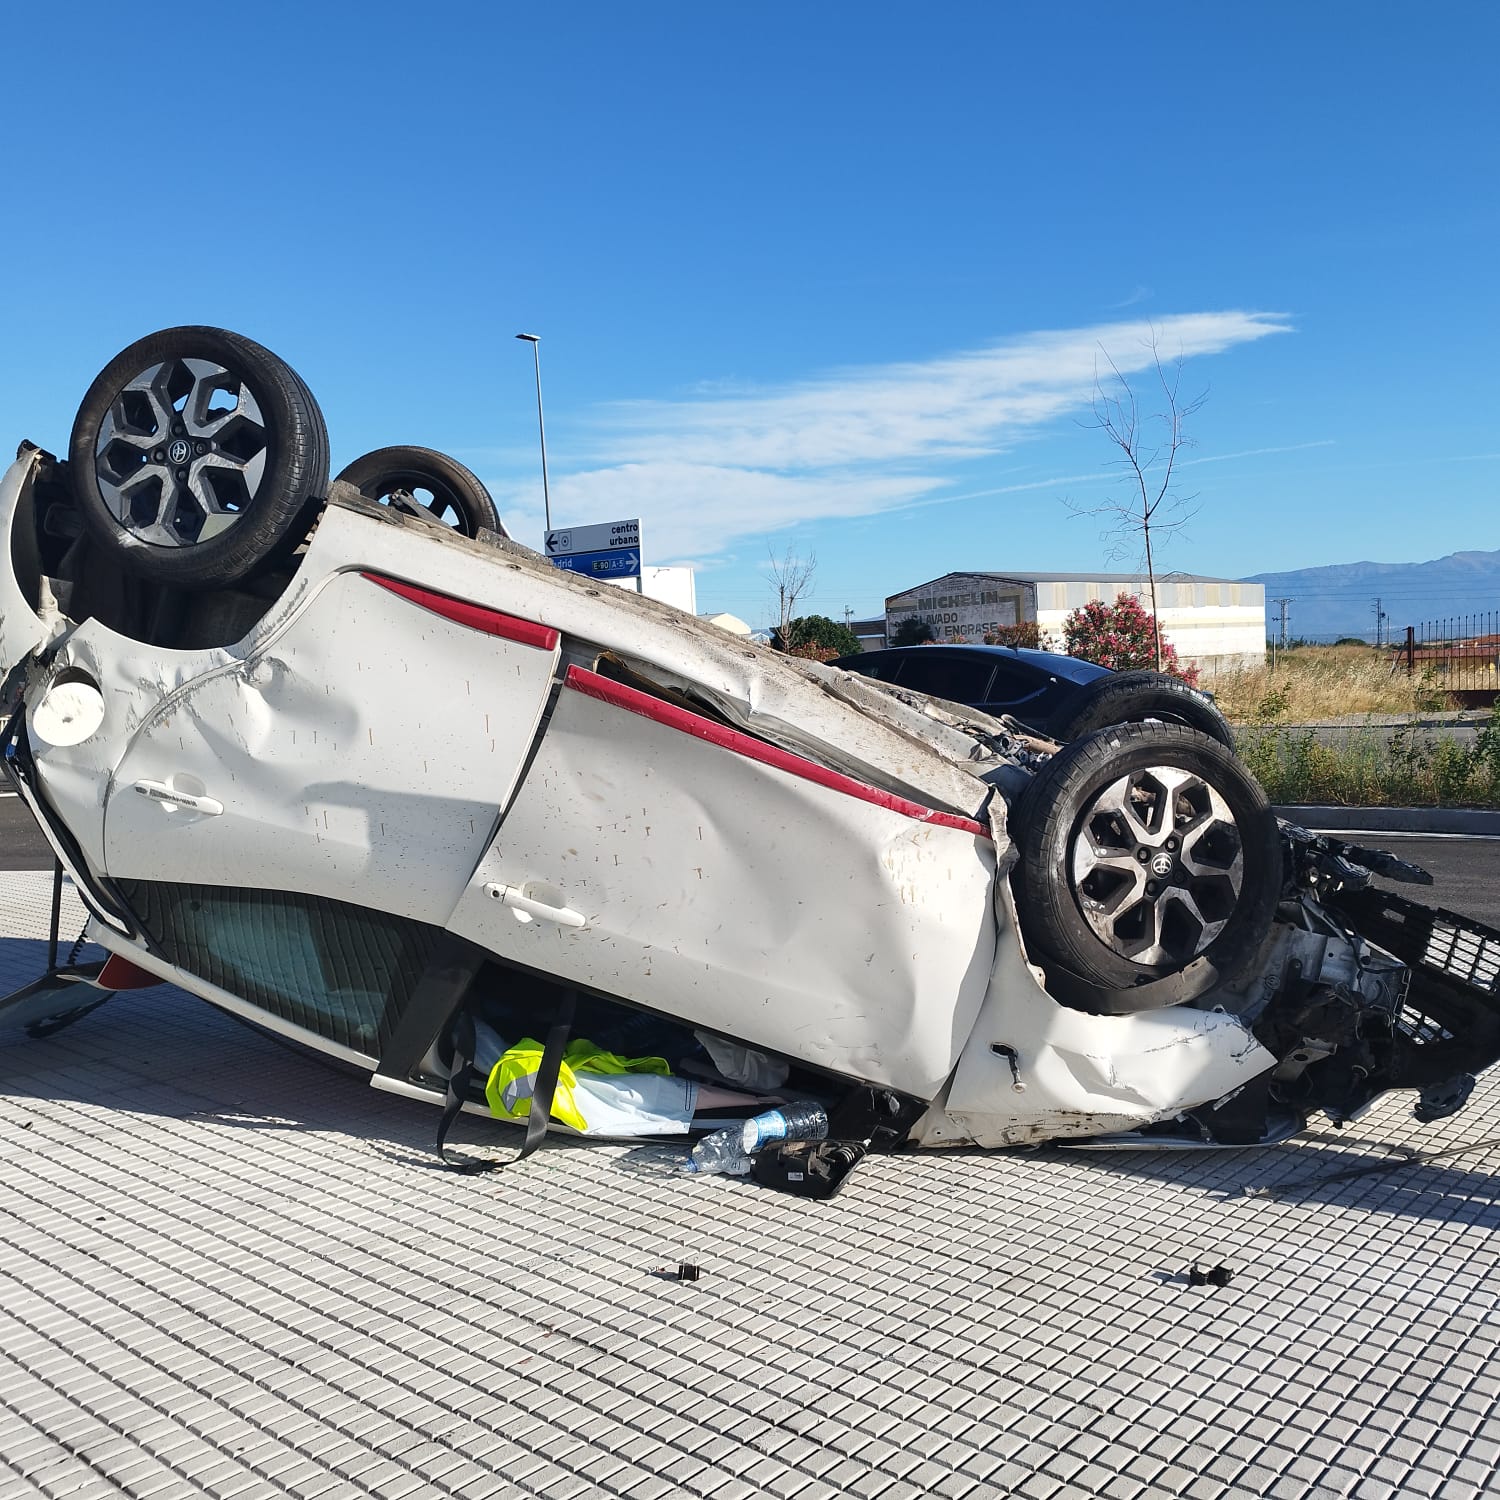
[(809, 1169), (684, 1270), (1214, 1276)]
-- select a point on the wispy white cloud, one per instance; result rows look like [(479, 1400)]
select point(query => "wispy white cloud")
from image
[(703, 508), (725, 464), (1060, 482), (1223, 458), (956, 406)]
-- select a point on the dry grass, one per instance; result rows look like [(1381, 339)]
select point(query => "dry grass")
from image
[(1322, 682)]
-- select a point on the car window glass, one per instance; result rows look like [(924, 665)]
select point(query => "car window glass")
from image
[(1013, 682), (337, 970), (961, 679)]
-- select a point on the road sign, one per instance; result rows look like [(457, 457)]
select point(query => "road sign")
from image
[(608, 536), (621, 564)]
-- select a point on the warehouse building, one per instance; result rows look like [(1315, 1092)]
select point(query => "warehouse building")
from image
[(1217, 623)]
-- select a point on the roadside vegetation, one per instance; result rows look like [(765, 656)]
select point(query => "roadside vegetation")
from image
[(1375, 766), (1367, 765)]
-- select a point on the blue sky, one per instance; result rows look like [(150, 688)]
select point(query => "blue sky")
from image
[(825, 277)]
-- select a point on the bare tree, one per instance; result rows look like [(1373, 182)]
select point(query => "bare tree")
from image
[(1148, 510), (790, 577)]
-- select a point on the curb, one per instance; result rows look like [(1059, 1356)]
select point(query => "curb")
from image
[(1470, 820)]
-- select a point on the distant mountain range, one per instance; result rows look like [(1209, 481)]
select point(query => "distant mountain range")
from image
[(1340, 600)]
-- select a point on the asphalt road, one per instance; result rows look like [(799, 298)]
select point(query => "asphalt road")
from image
[(1466, 871), (22, 846)]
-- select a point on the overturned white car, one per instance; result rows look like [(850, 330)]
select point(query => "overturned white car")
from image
[(369, 779)]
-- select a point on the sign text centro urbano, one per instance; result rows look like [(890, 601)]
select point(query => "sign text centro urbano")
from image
[(611, 549), (608, 536)]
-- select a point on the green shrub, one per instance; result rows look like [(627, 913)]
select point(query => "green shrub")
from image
[(1273, 705), (1371, 767), (818, 637), (911, 632)]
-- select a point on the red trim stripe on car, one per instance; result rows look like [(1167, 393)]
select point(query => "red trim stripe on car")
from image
[(475, 616), (606, 690)]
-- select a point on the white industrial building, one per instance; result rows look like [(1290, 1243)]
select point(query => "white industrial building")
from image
[(675, 586), (1216, 623)]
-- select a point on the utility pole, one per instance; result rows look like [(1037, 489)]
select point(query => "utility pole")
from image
[(848, 615), (1379, 621), (1283, 601)]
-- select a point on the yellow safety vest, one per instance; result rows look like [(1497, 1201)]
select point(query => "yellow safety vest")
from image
[(513, 1079)]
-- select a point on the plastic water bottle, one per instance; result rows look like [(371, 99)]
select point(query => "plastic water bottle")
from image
[(793, 1122), (720, 1152)]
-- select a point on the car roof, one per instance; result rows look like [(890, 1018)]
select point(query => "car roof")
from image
[(1069, 668)]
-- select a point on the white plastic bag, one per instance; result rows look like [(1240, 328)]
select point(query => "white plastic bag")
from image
[(747, 1066)]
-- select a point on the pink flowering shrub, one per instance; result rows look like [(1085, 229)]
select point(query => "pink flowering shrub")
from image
[(1121, 636)]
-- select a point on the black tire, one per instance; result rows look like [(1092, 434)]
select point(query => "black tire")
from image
[(1117, 931), (1141, 697), (251, 477), (425, 483)]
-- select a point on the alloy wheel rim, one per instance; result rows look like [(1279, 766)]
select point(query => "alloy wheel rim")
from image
[(182, 452), (1157, 866)]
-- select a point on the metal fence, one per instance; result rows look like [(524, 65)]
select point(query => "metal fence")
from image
[(1461, 655)]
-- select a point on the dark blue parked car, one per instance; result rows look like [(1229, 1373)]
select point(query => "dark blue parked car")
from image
[(1059, 696)]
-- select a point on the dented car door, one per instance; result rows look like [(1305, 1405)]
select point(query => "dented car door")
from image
[(360, 751), (663, 856)]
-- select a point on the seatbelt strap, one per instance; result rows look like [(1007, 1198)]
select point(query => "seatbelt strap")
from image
[(462, 1073)]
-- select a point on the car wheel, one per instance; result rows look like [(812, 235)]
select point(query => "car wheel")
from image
[(1144, 697), (425, 483), (197, 456), (1150, 868)]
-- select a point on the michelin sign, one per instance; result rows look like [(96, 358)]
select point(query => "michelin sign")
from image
[(960, 605)]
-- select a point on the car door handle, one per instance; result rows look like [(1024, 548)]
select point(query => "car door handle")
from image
[(508, 895), (159, 791)]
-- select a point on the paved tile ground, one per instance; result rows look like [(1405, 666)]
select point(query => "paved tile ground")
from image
[(228, 1270)]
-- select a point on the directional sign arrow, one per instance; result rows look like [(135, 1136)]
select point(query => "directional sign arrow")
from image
[(603, 536)]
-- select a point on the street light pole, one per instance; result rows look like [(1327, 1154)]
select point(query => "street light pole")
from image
[(535, 340)]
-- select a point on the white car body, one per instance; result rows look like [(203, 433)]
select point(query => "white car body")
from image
[(419, 726)]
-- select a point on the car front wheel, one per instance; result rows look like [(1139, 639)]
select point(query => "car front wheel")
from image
[(1150, 868)]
